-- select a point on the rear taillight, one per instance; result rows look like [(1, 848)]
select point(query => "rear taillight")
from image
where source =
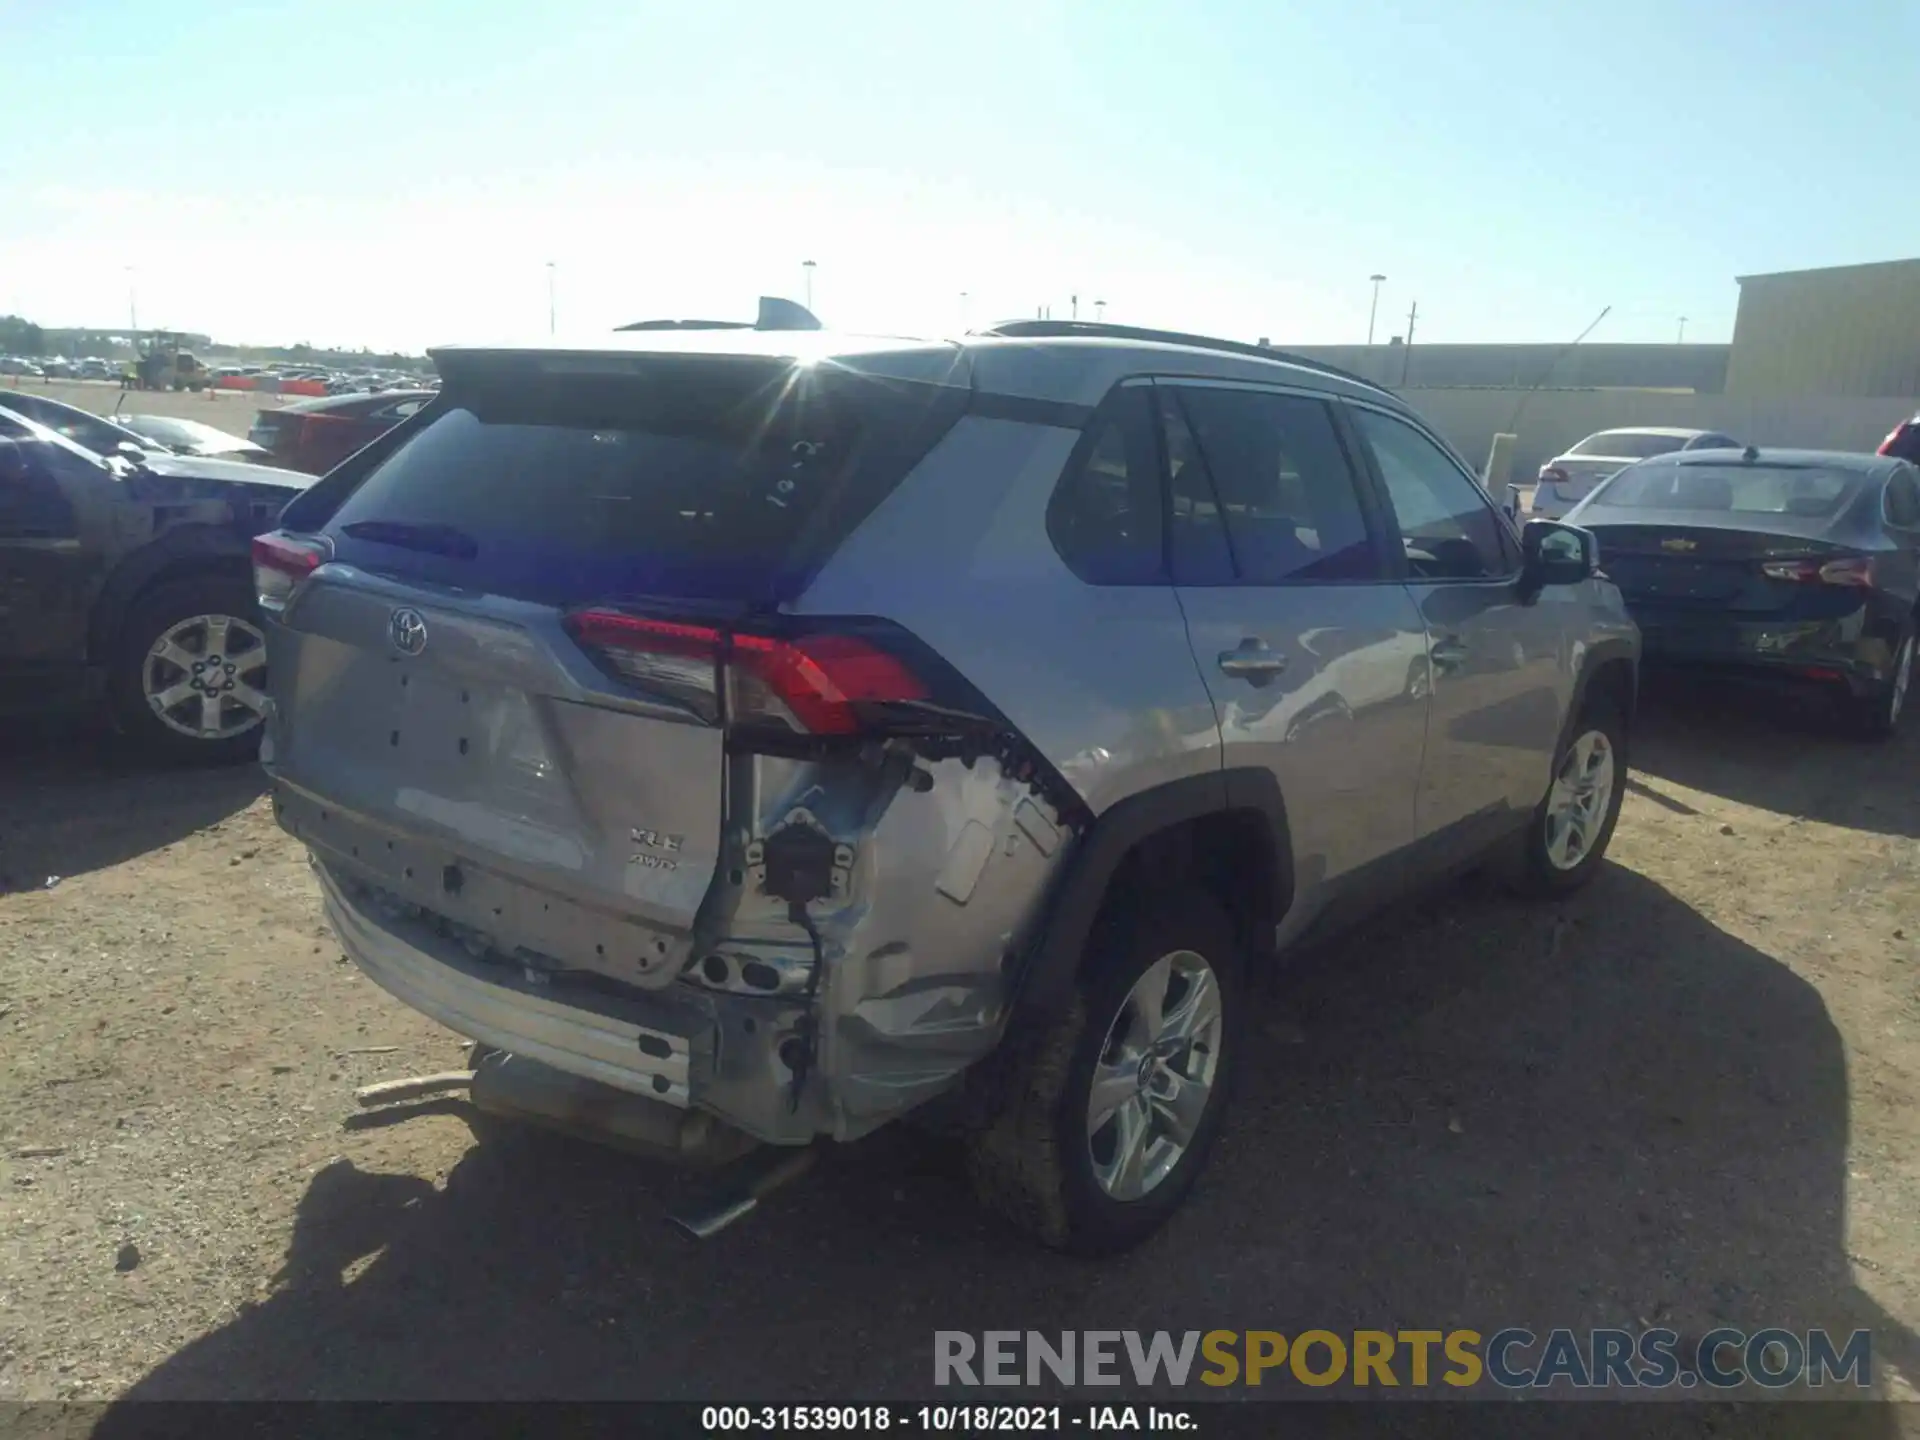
[(1552, 475), (815, 683), (280, 563), (1855, 570)]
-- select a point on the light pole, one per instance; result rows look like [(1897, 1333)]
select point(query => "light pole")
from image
[(1681, 338), (1374, 309), (806, 268), (551, 312), (133, 309), (1099, 312), (963, 312)]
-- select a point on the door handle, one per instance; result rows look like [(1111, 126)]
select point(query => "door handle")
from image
[(1253, 662), (1448, 654)]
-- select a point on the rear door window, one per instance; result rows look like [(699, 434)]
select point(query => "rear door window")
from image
[(1104, 517), (727, 480), (1280, 482)]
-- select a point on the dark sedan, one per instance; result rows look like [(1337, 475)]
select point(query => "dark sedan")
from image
[(315, 435), (1799, 566)]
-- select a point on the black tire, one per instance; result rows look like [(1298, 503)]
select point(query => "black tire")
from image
[(1877, 716), (1034, 1165), (1528, 867), (153, 614)]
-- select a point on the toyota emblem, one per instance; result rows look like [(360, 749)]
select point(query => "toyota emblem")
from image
[(407, 628)]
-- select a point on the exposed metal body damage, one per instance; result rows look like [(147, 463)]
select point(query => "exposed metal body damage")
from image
[(940, 869)]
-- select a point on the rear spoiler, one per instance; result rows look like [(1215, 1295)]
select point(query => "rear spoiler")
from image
[(775, 314)]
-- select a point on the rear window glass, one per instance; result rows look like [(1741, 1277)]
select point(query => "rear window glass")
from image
[(1628, 444), (726, 481), (1749, 489)]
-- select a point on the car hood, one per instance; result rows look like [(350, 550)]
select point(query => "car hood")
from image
[(235, 472)]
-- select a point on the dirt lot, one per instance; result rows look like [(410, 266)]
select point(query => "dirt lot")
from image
[(1686, 1097)]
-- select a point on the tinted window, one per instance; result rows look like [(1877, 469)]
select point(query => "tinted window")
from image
[(1197, 539), (1903, 499), (1447, 524), (1282, 484), (1753, 489), (724, 481), (1628, 444), (1105, 514)]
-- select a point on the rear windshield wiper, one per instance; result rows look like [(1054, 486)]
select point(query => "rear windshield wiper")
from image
[(433, 539)]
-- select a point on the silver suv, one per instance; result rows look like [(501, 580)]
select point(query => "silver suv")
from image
[(768, 734)]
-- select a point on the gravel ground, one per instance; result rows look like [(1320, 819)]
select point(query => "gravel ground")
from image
[(1684, 1097)]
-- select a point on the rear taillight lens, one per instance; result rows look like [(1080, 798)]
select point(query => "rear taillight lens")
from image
[(280, 563), (813, 683), (1552, 475), (1855, 570), (1889, 446)]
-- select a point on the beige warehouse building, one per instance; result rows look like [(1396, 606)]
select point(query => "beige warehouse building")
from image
[(1844, 330)]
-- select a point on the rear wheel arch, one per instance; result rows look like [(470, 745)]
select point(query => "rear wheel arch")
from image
[(1225, 833)]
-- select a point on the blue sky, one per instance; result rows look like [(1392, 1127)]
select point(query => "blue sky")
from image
[(400, 174)]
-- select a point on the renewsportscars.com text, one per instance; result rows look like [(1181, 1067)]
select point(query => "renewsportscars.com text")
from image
[(1510, 1359)]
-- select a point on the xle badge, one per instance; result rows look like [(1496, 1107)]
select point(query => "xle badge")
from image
[(651, 848)]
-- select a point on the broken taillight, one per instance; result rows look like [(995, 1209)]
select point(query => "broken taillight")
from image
[(814, 683), (280, 563)]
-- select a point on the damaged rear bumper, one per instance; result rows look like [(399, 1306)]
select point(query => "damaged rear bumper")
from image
[(648, 1053), (680, 1047)]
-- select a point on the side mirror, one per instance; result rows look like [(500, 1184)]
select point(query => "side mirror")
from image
[(1556, 554), (13, 463)]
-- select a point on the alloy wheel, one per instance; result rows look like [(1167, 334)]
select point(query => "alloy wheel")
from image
[(205, 677), (1577, 804), (1155, 1075)]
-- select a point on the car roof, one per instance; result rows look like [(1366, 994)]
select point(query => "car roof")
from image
[(1075, 368)]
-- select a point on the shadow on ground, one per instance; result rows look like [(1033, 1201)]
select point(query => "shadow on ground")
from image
[(74, 798), (1780, 753), (1478, 1114)]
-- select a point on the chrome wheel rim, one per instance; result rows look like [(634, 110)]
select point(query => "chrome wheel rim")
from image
[(205, 677), (1902, 675), (1577, 804), (1155, 1075)]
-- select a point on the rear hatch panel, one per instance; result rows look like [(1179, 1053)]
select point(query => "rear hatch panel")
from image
[(495, 776)]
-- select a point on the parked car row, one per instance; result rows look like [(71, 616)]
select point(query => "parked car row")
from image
[(337, 382), (58, 368)]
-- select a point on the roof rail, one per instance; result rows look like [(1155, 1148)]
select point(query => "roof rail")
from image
[(1099, 330)]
